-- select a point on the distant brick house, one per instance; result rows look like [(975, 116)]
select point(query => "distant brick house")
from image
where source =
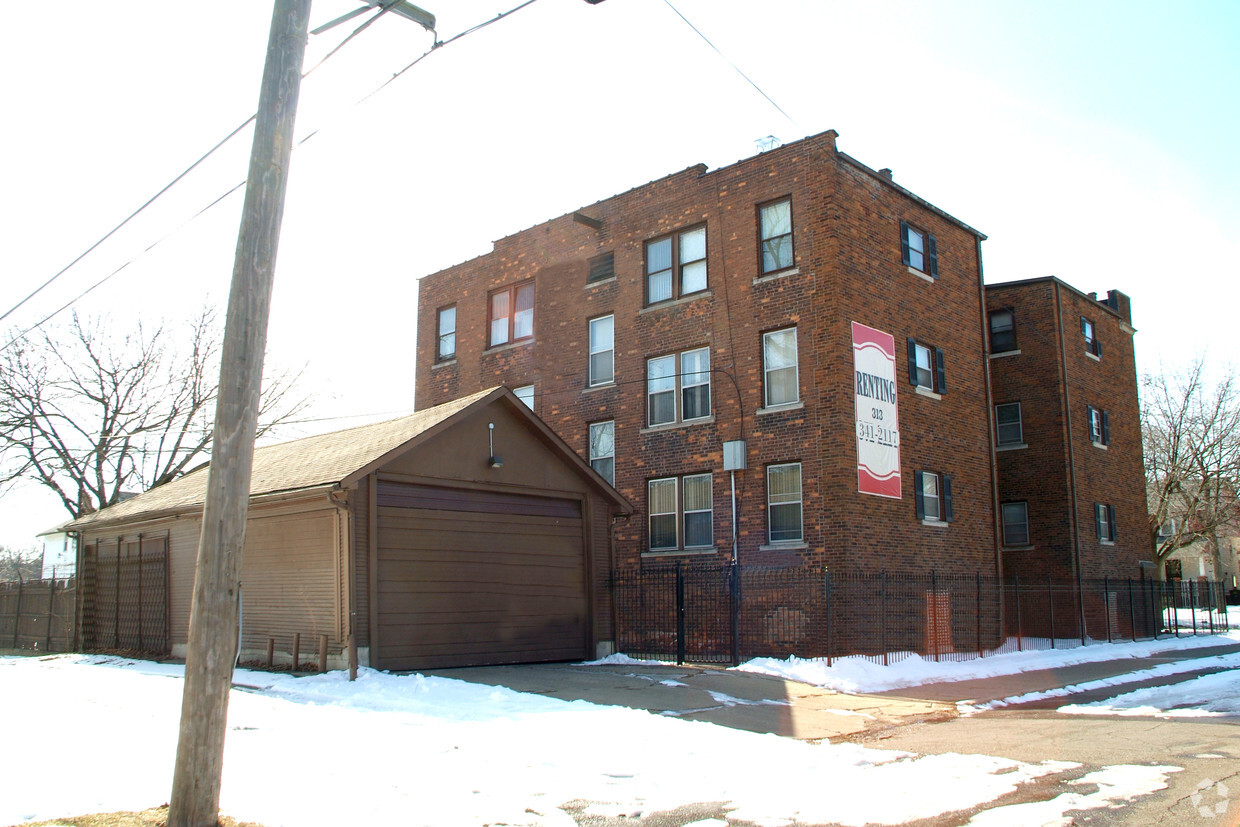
[(834, 325)]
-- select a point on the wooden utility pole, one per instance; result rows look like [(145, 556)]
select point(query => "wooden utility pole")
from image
[(213, 615)]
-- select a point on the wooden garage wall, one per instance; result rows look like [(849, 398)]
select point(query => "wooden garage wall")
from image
[(290, 581), (359, 518), (600, 542)]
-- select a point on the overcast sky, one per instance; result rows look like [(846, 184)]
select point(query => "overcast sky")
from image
[(1091, 141)]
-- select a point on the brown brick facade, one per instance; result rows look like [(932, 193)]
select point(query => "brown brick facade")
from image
[(1058, 469), (847, 266)]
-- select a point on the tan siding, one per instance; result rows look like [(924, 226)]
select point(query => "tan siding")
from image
[(289, 582), (359, 500), (600, 543)]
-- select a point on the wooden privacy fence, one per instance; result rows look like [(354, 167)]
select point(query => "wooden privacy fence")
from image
[(37, 615), (125, 596)]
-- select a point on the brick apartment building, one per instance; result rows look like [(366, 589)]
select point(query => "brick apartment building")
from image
[(653, 327), (1068, 432), (806, 305)]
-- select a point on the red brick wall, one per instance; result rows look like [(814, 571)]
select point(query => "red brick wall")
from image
[(848, 268), (1054, 379)]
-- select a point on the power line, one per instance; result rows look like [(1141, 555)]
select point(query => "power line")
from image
[(383, 10), (738, 69), (165, 189)]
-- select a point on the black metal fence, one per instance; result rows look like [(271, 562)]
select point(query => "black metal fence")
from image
[(713, 613), (125, 598)]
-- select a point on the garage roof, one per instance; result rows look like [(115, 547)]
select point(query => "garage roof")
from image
[(316, 461)]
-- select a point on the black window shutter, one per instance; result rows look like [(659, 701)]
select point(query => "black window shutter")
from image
[(1106, 428), (932, 256), (940, 370), (1111, 522), (919, 499), (912, 360), (947, 498), (904, 242), (1089, 422), (1098, 520), (1097, 347), (1084, 323)]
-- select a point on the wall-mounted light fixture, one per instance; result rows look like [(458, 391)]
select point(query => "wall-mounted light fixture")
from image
[(493, 461)]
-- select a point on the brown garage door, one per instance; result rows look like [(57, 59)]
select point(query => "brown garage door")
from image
[(468, 578)]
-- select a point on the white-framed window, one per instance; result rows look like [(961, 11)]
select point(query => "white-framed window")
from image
[(1015, 524), (695, 384), (673, 394), (783, 503), (602, 350), (526, 394), (676, 265), (919, 250), (698, 511), (926, 367), (1099, 423), (775, 235), (1104, 522), (1008, 425), (681, 512), (661, 509), (1002, 331), (779, 366), (932, 496), (446, 347), (511, 314), (1092, 345), (603, 449)]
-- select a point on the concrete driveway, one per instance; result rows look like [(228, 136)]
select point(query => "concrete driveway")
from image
[(740, 700)]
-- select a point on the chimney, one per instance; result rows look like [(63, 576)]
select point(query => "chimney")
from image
[(885, 172)]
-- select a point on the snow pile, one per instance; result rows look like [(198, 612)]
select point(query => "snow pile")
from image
[(429, 750), (858, 675)]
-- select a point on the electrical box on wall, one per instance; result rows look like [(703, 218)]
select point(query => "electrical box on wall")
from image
[(734, 455)]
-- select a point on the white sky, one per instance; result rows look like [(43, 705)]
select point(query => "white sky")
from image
[(1094, 142)]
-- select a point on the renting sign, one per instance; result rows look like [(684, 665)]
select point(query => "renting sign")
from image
[(878, 421)]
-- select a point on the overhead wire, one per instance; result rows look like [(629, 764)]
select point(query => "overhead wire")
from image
[(215, 148)]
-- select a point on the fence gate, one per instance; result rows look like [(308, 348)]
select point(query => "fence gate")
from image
[(125, 596)]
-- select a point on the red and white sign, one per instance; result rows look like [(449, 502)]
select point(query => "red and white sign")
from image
[(878, 418)]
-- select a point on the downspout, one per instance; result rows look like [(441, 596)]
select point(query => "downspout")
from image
[(995, 522), (1072, 509), (340, 499)]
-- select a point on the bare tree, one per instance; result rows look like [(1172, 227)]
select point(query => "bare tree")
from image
[(89, 412), (20, 563), (1190, 430)]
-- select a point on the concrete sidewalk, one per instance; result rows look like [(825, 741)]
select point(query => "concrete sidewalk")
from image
[(740, 700), (999, 687)]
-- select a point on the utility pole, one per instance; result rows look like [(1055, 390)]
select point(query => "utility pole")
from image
[(213, 615)]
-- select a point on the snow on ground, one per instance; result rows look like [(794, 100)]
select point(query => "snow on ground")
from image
[(1206, 696), (427, 750), (859, 676)]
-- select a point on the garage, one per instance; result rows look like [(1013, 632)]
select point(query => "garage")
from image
[(474, 577)]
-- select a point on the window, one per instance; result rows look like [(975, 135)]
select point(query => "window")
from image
[(1166, 531), (602, 268), (682, 255), (1015, 524), (932, 496), (1007, 424), (446, 348), (512, 314), (1092, 345), (779, 365), (1104, 521), (603, 449), (919, 250), (663, 382), (1002, 331), (689, 516), (602, 350), (926, 367), (1099, 423), (783, 502), (775, 228), (526, 394)]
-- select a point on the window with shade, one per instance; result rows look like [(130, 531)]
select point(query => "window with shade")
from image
[(511, 314), (775, 235), (681, 513), (783, 503), (676, 265), (602, 351), (779, 367)]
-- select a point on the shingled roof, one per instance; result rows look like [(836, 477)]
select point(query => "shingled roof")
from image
[(311, 462)]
